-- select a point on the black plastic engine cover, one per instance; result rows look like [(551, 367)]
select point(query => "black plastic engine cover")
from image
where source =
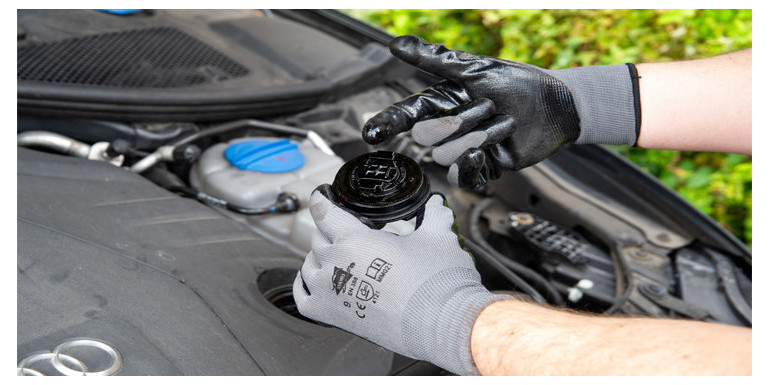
[(169, 282)]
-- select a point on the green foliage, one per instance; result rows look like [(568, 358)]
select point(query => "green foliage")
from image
[(718, 184)]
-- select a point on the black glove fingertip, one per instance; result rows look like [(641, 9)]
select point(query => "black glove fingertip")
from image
[(375, 134), (383, 126), (471, 170), (406, 47)]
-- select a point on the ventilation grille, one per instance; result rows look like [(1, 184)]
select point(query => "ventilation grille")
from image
[(151, 58)]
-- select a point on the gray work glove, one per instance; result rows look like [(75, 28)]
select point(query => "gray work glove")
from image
[(489, 115), (417, 295)]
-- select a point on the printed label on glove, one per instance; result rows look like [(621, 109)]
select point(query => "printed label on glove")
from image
[(365, 291), (360, 292), (341, 277), (377, 269)]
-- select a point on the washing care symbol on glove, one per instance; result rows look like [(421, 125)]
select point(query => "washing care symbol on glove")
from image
[(340, 278)]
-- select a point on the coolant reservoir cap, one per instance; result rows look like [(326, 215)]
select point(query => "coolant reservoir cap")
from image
[(270, 156), (383, 186)]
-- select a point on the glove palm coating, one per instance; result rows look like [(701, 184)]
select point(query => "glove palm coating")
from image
[(417, 294), (507, 115)]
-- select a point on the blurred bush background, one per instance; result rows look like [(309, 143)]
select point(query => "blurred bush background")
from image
[(718, 184)]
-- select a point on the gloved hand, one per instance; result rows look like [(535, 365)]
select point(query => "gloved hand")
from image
[(417, 295), (492, 114)]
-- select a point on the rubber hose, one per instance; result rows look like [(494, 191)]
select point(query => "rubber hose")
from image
[(514, 279), (525, 272)]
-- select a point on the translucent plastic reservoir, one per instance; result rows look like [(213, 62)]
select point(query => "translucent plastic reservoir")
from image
[(255, 174)]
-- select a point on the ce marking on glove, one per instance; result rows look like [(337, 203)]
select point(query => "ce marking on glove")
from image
[(362, 291), (359, 311), (365, 292)]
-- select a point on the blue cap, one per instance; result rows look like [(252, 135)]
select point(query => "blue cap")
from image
[(265, 156), (120, 11)]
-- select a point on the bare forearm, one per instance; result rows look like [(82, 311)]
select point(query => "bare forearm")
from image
[(519, 338), (699, 105)]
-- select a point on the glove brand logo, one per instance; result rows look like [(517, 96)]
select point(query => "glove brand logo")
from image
[(73, 358), (377, 269), (340, 278)]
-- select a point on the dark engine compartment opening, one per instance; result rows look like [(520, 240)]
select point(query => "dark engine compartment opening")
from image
[(133, 211), (276, 286)]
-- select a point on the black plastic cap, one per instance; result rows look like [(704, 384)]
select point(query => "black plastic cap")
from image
[(382, 186)]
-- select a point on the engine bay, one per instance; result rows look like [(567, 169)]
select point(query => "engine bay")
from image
[(153, 214)]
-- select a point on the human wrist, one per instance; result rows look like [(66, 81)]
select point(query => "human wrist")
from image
[(496, 335), (607, 100)]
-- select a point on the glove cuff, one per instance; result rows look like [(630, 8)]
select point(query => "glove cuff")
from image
[(439, 318), (607, 101)]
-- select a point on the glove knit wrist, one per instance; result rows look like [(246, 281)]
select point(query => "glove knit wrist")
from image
[(440, 317), (606, 99)]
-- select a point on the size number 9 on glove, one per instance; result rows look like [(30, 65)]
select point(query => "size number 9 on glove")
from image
[(416, 294)]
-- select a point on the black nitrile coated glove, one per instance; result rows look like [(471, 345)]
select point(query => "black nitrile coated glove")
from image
[(492, 114)]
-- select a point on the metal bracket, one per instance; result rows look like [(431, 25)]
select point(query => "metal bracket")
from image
[(662, 298)]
